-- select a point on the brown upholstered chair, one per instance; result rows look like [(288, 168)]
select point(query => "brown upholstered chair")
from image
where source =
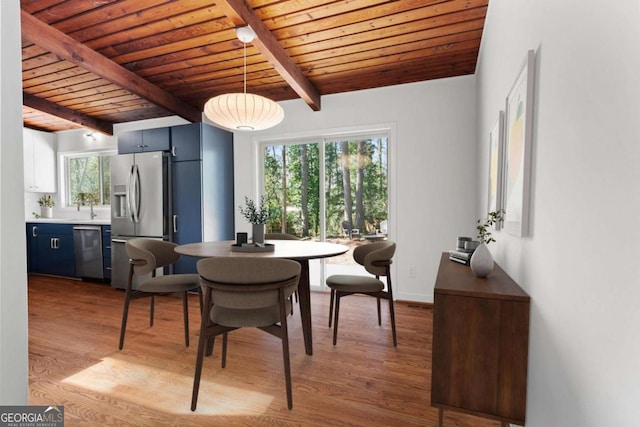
[(376, 259), (147, 255), (245, 292)]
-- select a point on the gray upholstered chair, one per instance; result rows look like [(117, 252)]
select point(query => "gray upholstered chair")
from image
[(245, 292), (145, 256), (280, 236), (376, 259), (283, 236)]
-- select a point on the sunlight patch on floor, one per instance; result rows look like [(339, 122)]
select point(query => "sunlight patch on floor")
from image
[(167, 391)]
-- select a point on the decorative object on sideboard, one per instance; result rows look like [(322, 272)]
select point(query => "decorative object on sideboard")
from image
[(482, 260), (46, 203), (257, 216), (464, 250)]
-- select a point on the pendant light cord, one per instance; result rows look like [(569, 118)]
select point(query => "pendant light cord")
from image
[(245, 68)]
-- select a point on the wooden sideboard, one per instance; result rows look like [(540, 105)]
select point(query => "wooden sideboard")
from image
[(480, 344)]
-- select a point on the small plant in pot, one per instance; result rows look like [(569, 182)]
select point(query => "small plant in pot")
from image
[(482, 260), (46, 203), (258, 215)]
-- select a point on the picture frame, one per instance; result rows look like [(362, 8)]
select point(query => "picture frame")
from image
[(496, 167), (517, 153)]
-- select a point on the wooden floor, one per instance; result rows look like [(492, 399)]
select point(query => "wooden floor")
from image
[(363, 381)]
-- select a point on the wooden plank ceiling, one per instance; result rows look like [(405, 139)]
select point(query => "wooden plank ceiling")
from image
[(93, 63)]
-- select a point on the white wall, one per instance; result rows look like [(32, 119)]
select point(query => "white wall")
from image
[(432, 168), (13, 261), (580, 263)]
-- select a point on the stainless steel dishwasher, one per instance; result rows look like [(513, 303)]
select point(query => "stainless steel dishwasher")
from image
[(87, 246)]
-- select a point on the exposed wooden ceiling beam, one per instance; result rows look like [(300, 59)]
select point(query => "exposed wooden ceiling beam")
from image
[(239, 12), (58, 43), (66, 113)]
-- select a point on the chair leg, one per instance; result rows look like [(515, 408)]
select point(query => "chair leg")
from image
[(224, 350), (285, 349), (391, 311), (153, 304), (199, 360), (202, 343), (379, 315), (210, 342), (185, 309), (333, 294), (335, 319), (125, 315), (393, 321)]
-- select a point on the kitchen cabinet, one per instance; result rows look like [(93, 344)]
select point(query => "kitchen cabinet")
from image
[(50, 249), (139, 141), (480, 344), (106, 251), (39, 161), (202, 187)]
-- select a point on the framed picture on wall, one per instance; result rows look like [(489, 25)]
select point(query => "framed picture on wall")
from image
[(518, 124), (496, 166)]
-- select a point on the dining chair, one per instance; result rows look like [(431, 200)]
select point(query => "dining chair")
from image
[(145, 257), (283, 236), (245, 292), (280, 236), (376, 259)]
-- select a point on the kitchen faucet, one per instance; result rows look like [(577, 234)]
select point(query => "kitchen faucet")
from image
[(92, 214)]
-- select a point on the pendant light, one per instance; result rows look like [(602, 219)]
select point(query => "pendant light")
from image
[(243, 111)]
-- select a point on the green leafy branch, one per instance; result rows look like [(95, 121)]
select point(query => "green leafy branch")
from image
[(484, 235), (254, 214)]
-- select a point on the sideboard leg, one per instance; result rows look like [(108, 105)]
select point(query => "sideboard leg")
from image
[(440, 416)]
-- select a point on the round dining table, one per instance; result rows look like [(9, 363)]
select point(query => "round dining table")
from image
[(297, 250)]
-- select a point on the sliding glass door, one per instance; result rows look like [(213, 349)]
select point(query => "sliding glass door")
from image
[(329, 189)]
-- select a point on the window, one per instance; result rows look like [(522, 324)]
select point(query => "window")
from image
[(332, 189), (88, 178)]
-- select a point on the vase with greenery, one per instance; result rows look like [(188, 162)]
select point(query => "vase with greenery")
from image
[(46, 203), (482, 260), (257, 215)]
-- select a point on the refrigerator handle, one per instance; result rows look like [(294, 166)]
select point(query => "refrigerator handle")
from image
[(129, 194), (135, 211), (175, 223)]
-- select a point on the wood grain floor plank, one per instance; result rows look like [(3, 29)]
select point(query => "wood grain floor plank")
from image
[(363, 381)]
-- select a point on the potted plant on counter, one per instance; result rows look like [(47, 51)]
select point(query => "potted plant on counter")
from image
[(482, 260), (46, 203), (257, 216)]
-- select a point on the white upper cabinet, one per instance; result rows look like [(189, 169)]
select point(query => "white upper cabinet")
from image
[(39, 162)]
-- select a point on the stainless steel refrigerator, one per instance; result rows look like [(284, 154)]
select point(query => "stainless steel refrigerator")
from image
[(140, 205)]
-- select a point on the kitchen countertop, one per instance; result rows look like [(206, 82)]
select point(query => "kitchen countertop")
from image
[(97, 221)]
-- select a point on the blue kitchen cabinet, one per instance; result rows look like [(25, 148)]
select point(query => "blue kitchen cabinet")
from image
[(202, 187), (50, 249), (138, 141), (32, 247), (186, 142), (106, 251)]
